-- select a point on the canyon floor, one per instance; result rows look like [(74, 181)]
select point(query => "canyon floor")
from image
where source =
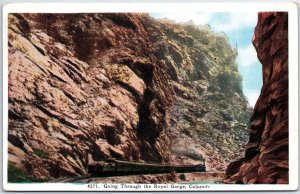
[(192, 178)]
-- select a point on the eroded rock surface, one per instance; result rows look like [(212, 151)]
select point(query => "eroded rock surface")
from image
[(266, 156), (87, 87), (209, 116), (83, 88)]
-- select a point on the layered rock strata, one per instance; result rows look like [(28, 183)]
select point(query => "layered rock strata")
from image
[(87, 87), (83, 88), (209, 117)]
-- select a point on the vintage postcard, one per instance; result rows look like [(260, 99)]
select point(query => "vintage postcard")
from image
[(150, 96)]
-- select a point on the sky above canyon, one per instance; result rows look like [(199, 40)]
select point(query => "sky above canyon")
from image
[(239, 27)]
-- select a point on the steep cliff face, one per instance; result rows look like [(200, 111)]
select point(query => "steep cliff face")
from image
[(83, 88), (209, 116), (87, 87), (266, 156)]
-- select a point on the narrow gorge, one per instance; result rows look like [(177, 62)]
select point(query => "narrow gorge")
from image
[(266, 156), (84, 88)]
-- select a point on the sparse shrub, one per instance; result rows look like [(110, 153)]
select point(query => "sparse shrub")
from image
[(41, 153), (182, 177), (17, 175)]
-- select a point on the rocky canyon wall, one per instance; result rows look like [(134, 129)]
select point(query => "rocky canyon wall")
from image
[(87, 87), (83, 88), (266, 156), (209, 117)]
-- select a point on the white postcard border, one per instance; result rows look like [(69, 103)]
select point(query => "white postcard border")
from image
[(289, 7)]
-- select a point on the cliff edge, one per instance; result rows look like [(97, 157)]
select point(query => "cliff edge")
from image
[(266, 156)]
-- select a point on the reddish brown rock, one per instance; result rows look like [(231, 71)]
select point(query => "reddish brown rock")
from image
[(209, 116), (87, 87), (266, 157), (83, 87)]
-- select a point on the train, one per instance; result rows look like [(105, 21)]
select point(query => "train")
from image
[(114, 167)]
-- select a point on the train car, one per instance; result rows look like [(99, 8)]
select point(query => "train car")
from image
[(114, 167)]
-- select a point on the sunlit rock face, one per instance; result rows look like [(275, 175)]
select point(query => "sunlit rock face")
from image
[(266, 157), (84, 88), (209, 116), (87, 87)]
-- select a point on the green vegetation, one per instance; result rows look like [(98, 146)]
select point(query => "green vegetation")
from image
[(182, 177), (17, 175), (41, 153)]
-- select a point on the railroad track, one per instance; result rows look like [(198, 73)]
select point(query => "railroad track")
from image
[(114, 167)]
